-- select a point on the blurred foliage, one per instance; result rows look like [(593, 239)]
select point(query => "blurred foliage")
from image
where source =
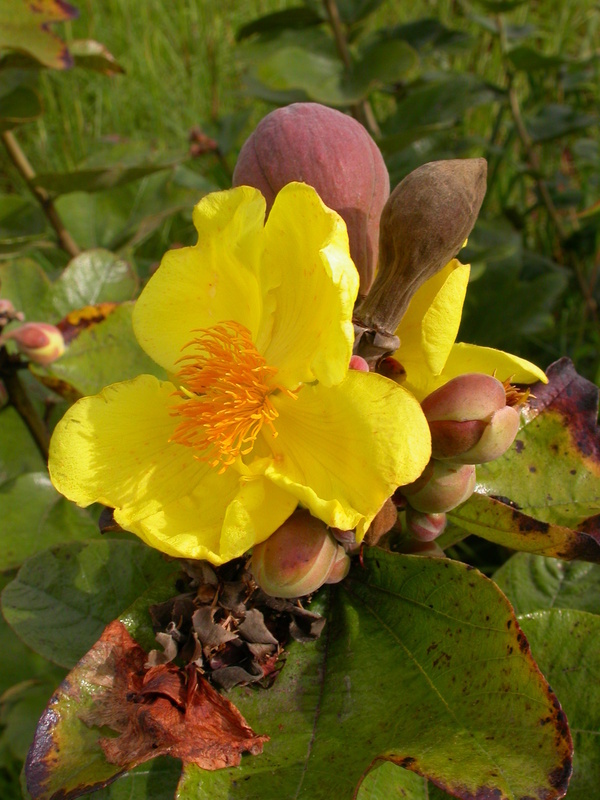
[(115, 123)]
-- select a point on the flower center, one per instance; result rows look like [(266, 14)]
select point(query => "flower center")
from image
[(226, 387)]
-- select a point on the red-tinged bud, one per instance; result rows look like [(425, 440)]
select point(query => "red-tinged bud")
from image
[(383, 522), (298, 558), (496, 438), (448, 486), (415, 547), (8, 313), (469, 420), (424, 527), (38, 341), (333, 153), (359, 364), (340, 568)]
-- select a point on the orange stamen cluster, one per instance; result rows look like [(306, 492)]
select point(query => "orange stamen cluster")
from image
[(225, 384), (515, 396)]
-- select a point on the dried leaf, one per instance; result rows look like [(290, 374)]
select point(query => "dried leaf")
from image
[(163, 710)]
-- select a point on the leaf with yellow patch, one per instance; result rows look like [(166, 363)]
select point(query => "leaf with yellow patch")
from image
[(24, 27)]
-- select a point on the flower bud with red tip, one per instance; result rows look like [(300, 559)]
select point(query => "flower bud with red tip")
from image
[(334, 154), (424, 527), (469, 420), (298, 558), (38, 341), (442, 487)]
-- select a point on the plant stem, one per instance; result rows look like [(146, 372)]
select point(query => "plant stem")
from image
[(19, 399), (21, 162), (362, 110)]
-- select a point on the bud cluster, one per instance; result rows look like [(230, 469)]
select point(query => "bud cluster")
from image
[(471, 423)]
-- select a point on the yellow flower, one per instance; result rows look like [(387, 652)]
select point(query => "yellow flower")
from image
[(427, 334), (254, 327)]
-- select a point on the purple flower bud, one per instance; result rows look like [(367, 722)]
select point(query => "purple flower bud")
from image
[(444, 487), (298, 558), (424, 527), (38, 341), (333, 153), (469, 420)]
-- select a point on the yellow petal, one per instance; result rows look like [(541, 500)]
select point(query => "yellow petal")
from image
[(342, 451), (307, 245), (114, 448), (473, 358), (429, 328), (214, 281)]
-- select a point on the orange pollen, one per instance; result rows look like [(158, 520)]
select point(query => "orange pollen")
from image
[(225, 384), (515, 396)]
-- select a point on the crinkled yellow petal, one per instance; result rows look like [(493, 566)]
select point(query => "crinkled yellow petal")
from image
[(306, 243), (214, 281), (473, 358), (342, 451), (429, 328), (114, 448)]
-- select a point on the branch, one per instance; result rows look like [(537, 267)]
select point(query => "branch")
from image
[(19, 159), (19, 399), (361, 111)]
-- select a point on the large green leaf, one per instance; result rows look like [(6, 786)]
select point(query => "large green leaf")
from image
[(421, 662), (534, 583), (543, 495), (94, 276), (527, 58), (100, 355), (566, 645), (294, 17), (35, 516), (21, 222), (62, 598), (24, 27)]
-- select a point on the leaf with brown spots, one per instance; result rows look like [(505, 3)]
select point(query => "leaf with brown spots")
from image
[(155, 711), (543, 495), (24, 27)]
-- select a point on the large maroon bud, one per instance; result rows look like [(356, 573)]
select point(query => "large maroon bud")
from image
[(333, 153)]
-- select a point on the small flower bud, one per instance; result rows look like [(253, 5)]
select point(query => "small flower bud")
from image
[(424, 527), (40, 342), (333, 153), (448, 485), (469, 420), (359, 364), (8, 313), (298, 558), (340, 568), (383, 522)]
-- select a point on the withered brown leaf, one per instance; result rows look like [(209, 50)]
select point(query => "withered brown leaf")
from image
[(163, 710)]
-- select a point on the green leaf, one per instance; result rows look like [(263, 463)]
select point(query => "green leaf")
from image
[(100, 355), (35, 516), (94, 276), (566, 645), (62, 598), (428, 32), (288, 18), (97, 179), (20, 709), (21, 222), (527, 58), (24, 27), (380, 62), (19, 106), (554, 121), (95, 56), (421, 662), (533, 583), (82, 763), (18, 452), (25, 284)]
